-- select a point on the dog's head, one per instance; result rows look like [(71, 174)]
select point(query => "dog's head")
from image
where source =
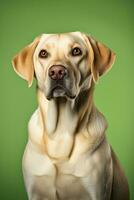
[(64, 64)]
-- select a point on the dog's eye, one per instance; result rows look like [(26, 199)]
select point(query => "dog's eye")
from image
[(76, 51), (43, 54)]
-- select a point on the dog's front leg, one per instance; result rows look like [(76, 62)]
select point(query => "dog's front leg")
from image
[(39, 174)]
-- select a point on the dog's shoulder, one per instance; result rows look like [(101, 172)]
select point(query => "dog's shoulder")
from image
[(35, 127)]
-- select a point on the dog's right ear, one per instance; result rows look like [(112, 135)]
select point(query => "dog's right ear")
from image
[(103, 58), (23, 62)]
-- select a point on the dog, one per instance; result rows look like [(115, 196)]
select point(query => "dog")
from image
[(67, 156)]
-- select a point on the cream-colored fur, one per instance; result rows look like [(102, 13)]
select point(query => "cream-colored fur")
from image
[(67, 155)]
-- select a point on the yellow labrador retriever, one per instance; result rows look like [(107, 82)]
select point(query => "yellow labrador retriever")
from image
[(67, 156)]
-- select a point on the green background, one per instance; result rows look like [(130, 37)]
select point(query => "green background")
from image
[(111, 22)]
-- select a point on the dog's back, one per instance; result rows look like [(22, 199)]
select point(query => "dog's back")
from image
[(120, 189)]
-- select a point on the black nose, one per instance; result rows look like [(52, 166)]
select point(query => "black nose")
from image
[(57, 72)]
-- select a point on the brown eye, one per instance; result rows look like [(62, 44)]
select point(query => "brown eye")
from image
[(76, 51), (43, 53)]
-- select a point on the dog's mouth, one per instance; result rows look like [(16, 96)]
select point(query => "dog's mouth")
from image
[(60, 91)]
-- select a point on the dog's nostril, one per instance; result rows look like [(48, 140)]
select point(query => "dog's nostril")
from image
[(51, 73), (61, 72)]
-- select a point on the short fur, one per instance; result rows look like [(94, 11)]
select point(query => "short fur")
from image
[(67, 155)]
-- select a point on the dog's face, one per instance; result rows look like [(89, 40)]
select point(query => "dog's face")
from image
[(64, 64), (61, 63)]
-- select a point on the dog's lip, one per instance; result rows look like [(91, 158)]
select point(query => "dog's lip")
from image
[(60, 87), (57, 87)]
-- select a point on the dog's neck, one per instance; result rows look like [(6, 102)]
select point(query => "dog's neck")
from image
[(65, 121), (65, 115)]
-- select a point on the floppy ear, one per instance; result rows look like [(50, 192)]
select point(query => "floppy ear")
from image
[(23, 62), (103, 58)]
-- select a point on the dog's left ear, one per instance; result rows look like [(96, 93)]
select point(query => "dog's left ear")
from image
[(103, 58), (23, 62)]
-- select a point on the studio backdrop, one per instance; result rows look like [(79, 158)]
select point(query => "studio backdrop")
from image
[(111, 22)]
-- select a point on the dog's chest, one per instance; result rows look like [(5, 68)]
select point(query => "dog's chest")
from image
[(66, 168), (64, 145), (63, 187), (74, 178)]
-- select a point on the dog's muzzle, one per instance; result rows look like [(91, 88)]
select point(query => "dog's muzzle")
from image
[(59, 79)]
